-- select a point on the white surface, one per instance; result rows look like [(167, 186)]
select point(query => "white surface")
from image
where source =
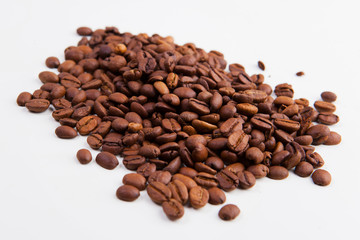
[(47, 194)]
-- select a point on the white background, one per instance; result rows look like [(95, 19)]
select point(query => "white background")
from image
[(46, 194)]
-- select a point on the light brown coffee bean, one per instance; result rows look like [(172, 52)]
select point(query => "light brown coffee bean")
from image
[(321, 177), (127, 193), (198, 197), (65, 132)]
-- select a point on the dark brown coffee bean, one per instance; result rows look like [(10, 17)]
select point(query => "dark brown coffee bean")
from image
[(319, 133), (278, 172), (65, 132), (323, 106), (199, 153), (328, 96), (230, 126), (132, 162), (37, 105), (70, 81), (299, 74), (198, 197), (23, 98), (304, 169), (261, 123), (179, 191), (246, 179), (149, 151), (120, 125), (187, 171), (258, 170), (254, 155), (172, 80), (229, 212), (136, 180), (48, 77), (86, 125), (293, 160), (52, 62), (127, 193), (321, 177), (84, 31), (158, 192), (304, 139), (68, 122), (107, 160), (314, 159), (198, 106), (227, 180), (184, 92), (146, 169), (202, 126), (246, 109), (283, 136), (215, 163), (189, 182), (160, 176), (193, 140), (173, 209), (170, 125), (216, 196), (327, 118), (84, 156), (206, 180), (284, 90), (287, 125), (62, 113), (238, 141), (333, 139), (261, 65)]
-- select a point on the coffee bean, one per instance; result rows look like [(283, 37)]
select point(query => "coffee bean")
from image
[(136, 180), (299, 74), (107, 160), (37, 105), (333, 139), (198, 197), (278, 172), (304, 169), (95, 141), (261, 65), (323, 106), (228, 180), (160, 176), (189, 183), (304, 139), (173, 209), (216, 196), (48, 77), (52, 62), (246, 109), (259, 170), (328, 96), (246, 179), (198, 106), (86, 124), (179, 191), (327, 118), (84, 156), (189, 172), (149, 151), (132, 162), (254, 155), (320, 133), (127, 193), (158, 192), (84, 31), (23, 98), (238, 141), (229, 212), (314, 159), (321, 177), (65, 132), (206, 180)]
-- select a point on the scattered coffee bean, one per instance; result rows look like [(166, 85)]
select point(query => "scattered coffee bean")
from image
[(127, 193), (198, 197), (304, 169), (136, 180), (299, 74), (107, 160), (261, 65), (229, 212), (278, 172), (216, 196), (173, 209), (23, 98), (328, 96), (65, 132), (84, 156), (321, 177)]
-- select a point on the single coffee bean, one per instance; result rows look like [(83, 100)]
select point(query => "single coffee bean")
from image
[(247, 109), (160, 176), (321, 177), (48, 77), (254, 155), (84, 31), (95, 141), (23, 98), (304, 140), (238, 141), (84, 156), (189, 182), (229, 212), (127, 193), (333, 139), (278, 172), (187, 171), (323, 106), (198, 197), (258, 170), (206, 180), (199, 153), (65, 132), (136, 180), (149, 151), (158, 192), (107, 160), (132, 162), (86, 124), (304, 169), (193, 140), (261, 65), (328, 96), (173, 209), (179, 191), (246, 179), (216, 196), (230, 126), (52, 62), (327, 118), (314, 159), (37, 105), (228, 180), (146, 169)]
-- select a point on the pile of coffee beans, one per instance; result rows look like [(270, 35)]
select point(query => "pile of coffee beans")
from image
[(190, 129)]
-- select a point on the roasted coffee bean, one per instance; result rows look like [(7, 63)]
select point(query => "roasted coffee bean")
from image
[(187, 171), (198, 197), (287, 125), (189, 182), (84, 156), (65, 132), (323, 106), (107, 160), (333, 139), (23, 98), (127, 193), (136, 180), (173, 209), (246, 109), (52, 62), (206, 180), (215, 163), (48, 77), (231, 125), (179, 191), (284, 90), (278, 172), (321, 177), (320, 133), (184, 92), (158, 192), (258, 170), (261, 65), (149, 151), (254, 155), (304, 169), (314, 159), (146, 169), (238, 141), (246, 179), (327, 118), (133, 162), (229, 212), (328, 96), (86, 125), (228, 180), (84, 31), (202, 126), (199, 153), (198, 106), (216, 196), (37, 105), (160, 176), (62, 113), (193, 140), (68, 122), (304, 139)]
